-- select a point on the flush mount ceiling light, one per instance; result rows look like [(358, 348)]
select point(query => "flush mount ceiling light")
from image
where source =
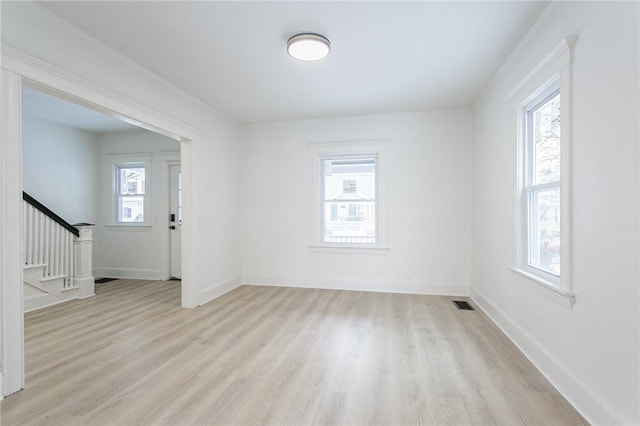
[(308, 47)]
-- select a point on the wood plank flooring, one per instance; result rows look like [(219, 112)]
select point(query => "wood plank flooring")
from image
[(269, 355)]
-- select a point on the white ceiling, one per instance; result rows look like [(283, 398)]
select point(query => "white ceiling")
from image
[(56, 110), (385, 57)]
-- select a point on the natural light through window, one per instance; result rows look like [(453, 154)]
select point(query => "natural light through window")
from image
[(543, 104), (542, 181), (130, 193), (349, 200)]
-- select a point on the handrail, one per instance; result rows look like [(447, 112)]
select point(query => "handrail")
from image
[(60, 221)]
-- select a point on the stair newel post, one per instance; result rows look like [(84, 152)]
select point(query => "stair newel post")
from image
[(83, 271)]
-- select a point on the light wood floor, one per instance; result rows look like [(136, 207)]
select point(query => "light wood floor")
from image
[(269, 355)]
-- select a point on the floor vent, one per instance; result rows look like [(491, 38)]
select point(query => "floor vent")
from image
[(462, 305), (105, 280)]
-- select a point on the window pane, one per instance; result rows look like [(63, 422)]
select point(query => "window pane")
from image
[(353, 222), (544, 244), (546, 141), (349, 200), (131, 209), (350, 179), (132, 181)]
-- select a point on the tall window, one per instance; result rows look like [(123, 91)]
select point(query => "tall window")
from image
[(543, 102), (130, 193), (349, 200), (541, 195)]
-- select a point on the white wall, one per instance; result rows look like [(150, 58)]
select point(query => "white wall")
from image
[(32, 29), (591, 352), (60, 168), (429, 197), (134, 252)]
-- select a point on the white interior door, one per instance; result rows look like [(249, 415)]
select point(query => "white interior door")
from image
[(175, 221)]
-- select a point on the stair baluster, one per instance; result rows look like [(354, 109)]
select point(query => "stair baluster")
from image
[(51, 248)]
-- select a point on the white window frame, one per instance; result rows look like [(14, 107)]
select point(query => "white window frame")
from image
[(349, 149), (551, 74), (115, 162), (529, 188)]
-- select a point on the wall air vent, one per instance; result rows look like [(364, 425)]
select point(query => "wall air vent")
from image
[(463, 305)]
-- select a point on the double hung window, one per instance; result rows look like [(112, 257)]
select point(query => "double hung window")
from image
[(542, 176), (543, 102), (349, 200), (348, 197), (130, 186), (130, 193)]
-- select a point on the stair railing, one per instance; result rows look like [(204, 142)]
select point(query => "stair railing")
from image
[(48, 241), (63, 249)]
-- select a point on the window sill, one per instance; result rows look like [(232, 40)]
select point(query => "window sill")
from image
[(338, 249), (132, 228), (548, 289)]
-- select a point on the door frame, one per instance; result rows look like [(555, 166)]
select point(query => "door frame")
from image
[(170, 163), (19, 68)]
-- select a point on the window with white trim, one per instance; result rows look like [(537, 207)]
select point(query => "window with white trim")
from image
[(129, 177), (130, 193), (541, 191), (543, 103), (348, 204)]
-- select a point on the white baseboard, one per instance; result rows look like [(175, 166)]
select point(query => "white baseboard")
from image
[(207, 294), (588, 402), (1, 386), (128, 273), (380, 286)]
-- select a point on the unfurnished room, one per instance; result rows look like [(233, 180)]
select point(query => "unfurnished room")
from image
[(320, 213)]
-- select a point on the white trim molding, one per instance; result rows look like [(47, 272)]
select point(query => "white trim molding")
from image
[(209, 293), (319, 151), (560, 57), (566, 299), (555, 69), (61, 83), (348, 249), (11, 246), (585, 399)]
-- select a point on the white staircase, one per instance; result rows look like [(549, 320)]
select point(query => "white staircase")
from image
[(41, 290), (57, 257)]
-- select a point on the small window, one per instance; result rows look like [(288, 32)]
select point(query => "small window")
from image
[(348, 197), (130, 196), (349, 200), (541, 197)]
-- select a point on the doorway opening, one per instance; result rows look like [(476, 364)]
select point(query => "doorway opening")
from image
[(89, 168), (20, 70)]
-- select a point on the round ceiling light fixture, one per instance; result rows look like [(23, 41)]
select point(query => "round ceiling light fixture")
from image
[(308, 47)]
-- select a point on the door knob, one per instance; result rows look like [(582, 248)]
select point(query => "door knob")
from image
[(172, 227)]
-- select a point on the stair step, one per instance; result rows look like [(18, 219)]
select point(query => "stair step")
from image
[(52, 278), (33, 266)]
